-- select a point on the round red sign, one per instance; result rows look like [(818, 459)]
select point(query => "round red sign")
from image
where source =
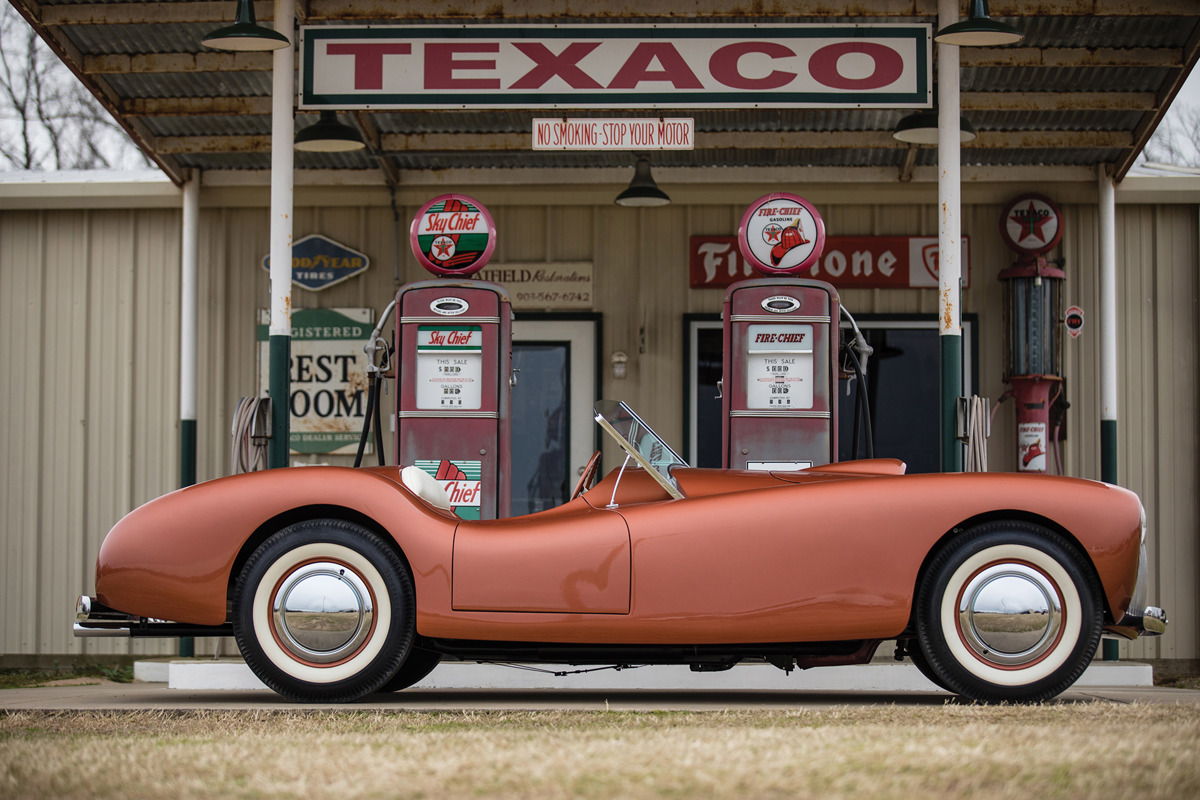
[(1031, 224), (781, 234), (453, 235)]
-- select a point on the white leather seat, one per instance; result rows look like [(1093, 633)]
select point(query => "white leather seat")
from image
[(425, 486)]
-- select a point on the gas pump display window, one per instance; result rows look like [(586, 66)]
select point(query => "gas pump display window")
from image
[(449, 367), (779, 367)]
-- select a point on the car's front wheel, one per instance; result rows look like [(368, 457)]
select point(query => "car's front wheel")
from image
[(1009, 612), (324, 611)]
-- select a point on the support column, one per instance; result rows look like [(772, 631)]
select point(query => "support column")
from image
[(949, 241), (189, 258), (283, 91), (1108, 328)]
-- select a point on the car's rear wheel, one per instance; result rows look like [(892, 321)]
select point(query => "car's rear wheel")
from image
[(1009, 612), (419, 664), (324, 611)]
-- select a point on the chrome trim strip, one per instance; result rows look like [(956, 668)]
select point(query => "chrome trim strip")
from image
[(449, 415), (451, 321), (777, 414), (776, 318)]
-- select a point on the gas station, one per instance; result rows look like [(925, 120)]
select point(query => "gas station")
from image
[(843, 238)]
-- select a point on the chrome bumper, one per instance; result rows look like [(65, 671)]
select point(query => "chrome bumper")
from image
[(1140, 619), (96, 619), (1151, 622)]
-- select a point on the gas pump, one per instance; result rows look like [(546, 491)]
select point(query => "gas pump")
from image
[(1031, 227), (454, 353), (779, 385)]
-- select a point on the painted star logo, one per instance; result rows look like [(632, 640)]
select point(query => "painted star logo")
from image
[(1031, 220), (443, 248)]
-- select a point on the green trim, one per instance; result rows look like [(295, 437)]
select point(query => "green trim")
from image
[(1110, 649), (951, 390), (1108, 451), (187, 452), (279, 382)]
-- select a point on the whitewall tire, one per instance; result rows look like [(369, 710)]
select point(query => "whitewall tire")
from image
[(324, 611), (1009, 612)]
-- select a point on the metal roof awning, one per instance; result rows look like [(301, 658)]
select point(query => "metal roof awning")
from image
[(1086, 87)]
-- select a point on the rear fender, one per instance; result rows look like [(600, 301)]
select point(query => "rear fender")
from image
[(174, 558)]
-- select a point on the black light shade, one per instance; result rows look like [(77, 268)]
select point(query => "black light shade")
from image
[(922, 128), (327, 135), (642, 191), (245, 34), (978, 30)]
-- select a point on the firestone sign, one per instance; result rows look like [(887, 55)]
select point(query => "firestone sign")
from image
[(848, 262), (615, 66)]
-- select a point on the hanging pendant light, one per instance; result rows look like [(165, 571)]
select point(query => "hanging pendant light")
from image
[(327, 135), (978, 30), (245, 34), (922, 128), (642, 191)]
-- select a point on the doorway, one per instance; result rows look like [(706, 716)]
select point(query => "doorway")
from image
[(553, 433)]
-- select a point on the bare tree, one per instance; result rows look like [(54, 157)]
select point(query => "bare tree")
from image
[(48, 120), (1177, 139)]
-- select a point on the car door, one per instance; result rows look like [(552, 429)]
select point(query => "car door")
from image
[(573, 560)]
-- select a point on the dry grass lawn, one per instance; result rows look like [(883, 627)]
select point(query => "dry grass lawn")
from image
[(952, 751)]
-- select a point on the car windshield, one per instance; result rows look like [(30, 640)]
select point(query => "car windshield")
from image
[(640, 441)]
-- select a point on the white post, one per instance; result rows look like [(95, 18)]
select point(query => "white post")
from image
[(282, 134), (1108, 328), (949, 239), (189, 257)]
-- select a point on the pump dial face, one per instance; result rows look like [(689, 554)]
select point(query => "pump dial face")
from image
[(1031, 224), (781, 234)]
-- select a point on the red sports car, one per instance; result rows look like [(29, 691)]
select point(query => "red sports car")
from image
[(341, 582)]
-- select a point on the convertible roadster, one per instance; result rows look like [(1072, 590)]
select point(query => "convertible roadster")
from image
[(340, 582)]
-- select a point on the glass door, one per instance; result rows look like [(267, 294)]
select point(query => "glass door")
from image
[(553, 434)]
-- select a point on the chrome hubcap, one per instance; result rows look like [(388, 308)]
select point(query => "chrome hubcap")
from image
[(322, 612), (1010, 614)]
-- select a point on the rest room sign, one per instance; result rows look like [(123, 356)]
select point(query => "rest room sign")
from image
[(328, 374)]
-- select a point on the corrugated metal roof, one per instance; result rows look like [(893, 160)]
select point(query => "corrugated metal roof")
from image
[(1085, 87), (192, 84)]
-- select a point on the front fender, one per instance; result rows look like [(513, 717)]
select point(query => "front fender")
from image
[(172, 558)]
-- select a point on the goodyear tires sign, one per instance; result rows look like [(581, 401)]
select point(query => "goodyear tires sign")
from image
[(319, 262)]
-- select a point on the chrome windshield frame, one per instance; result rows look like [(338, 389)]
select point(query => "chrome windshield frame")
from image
[(613, 413)]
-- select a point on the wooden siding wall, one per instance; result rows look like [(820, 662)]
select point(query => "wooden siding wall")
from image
[(89, 303)]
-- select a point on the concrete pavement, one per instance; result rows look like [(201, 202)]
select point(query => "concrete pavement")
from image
[(106, 696)]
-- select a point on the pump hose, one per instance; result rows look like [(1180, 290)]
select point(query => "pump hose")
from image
[(249, 453), (862, 408), (372, 407), (978, 420), (378, 421)]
